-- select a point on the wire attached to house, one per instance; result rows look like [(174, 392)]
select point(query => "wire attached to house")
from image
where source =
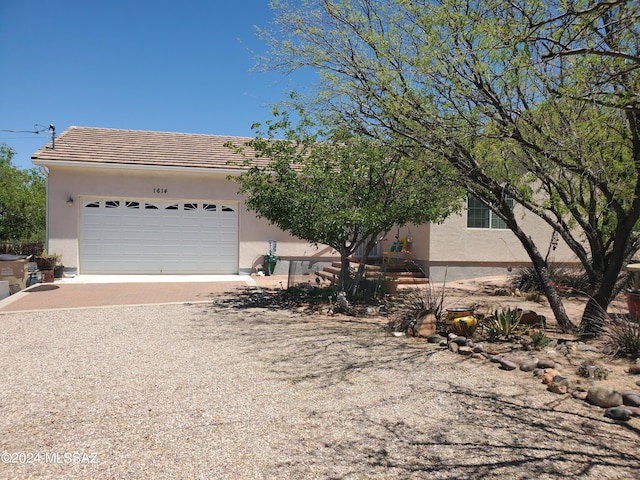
[(37, 129)]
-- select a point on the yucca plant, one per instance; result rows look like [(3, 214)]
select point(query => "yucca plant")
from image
[(502, 323), (623, 337)]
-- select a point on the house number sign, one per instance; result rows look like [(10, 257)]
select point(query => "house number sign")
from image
[(160, 190)]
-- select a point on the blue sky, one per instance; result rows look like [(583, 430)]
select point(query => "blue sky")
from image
[(137, 64)]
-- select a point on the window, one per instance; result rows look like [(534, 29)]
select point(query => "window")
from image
[(479, 215)]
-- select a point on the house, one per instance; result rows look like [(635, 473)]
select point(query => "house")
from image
[(141, 202)]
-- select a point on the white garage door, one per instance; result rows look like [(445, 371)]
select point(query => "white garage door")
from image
[(135, 236)]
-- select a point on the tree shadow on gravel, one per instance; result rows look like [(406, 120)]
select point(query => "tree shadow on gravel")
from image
[(478, 434)]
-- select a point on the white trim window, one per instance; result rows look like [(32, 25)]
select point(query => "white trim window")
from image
[(479, 215)]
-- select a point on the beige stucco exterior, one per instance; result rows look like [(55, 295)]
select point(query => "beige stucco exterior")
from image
[(93, 163), (75, 182), (449, 244)]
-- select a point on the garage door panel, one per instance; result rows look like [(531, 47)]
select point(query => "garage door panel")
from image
[(139, 236)]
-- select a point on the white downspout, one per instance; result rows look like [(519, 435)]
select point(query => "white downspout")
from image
[(45, 172)]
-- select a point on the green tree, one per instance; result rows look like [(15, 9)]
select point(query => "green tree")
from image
[(339, 189), (535, 100), (22, 201)]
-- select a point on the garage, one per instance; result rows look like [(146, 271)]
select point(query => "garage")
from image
[(157, 236)]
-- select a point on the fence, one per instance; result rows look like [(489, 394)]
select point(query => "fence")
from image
[(25, 248)]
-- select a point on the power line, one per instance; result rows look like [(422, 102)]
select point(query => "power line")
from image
[(36, 130)]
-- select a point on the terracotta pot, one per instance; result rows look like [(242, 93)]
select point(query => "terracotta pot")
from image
[(390, 286), (44, 263), (633, 304)]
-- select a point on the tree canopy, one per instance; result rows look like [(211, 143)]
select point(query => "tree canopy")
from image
[(339, 189), (535, 100), (22, 201)]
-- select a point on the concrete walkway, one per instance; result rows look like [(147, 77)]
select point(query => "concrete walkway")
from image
[(85, 291)]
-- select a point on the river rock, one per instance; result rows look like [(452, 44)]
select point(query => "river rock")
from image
[(529, 364), (579, 394), (549, 375), (634, 369), (434, 339), (618, 413), (538, 372), (604, 396), (454, 347), (478, 348), (465, 350), (635, 411), (506, 364), (585, 347), (425, 324), (495, 358), (546, 363), (460, 340), (558, 387), (631, 398)]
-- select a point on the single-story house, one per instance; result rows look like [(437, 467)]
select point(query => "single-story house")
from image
[(142, 202)]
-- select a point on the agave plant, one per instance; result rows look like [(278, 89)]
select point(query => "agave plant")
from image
[(502, 323)]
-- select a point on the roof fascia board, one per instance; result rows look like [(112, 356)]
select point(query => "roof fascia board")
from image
[(128, 166)]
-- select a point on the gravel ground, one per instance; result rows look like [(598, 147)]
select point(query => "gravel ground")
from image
[(217, 391)]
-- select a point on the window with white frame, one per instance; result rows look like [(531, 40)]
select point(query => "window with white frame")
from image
[(479, 215)]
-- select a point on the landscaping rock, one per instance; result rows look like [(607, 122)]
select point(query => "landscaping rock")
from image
[(495, 358), (635, 411), (584, 347), (631, 398), (579, 394), (634, 369), (604, 396), (425, 324), (478, 348), (618, 413), (506, 364), (454, 347), (465, 350), (443, 343), (549, 375), (434, 339), (529, 364), (538, 372), (558, 387), (546, 363), (477, 355), (459, 340)]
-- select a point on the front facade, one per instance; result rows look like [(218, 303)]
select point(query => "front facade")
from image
[(136, 202)]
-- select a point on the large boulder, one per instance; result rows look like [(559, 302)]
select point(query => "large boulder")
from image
[(604, 396)]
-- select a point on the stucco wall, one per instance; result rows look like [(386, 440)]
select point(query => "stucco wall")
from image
[(453, 243), (63, 221)]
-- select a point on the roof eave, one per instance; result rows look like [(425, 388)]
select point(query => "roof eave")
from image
[(129, 166)]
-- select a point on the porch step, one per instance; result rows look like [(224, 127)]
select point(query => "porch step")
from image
[(405, 274)]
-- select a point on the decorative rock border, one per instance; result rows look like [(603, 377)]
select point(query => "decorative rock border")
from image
[(619, 406)]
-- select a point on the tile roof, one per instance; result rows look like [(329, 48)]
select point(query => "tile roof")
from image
[(143, 148)]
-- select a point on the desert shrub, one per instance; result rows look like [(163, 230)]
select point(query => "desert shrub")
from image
[(539, 339), (527, 280), (502, 323), (623, 337), (595, 372)]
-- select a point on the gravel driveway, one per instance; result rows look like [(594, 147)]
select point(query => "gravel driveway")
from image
[(223, 392)]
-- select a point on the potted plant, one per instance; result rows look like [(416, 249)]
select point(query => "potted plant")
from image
[(391, 285), (47, 262), (633, 293)]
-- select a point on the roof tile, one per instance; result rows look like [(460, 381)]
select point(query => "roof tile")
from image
[(144, 148)]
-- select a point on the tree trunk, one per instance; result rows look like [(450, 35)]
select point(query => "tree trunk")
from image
[(542, 269)]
